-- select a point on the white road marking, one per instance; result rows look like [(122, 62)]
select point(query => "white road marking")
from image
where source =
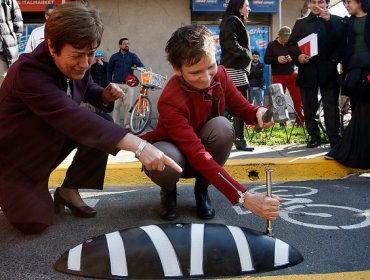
[(243, 248), (196, 249), (281, 253), (166, 252), (74, 258), (117, 254)]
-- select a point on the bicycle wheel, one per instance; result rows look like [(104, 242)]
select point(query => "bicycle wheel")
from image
[(141, 115)]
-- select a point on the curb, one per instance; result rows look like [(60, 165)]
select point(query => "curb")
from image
[(242, 170)]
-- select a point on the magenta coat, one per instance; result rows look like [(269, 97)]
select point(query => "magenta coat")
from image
[(36, 117)]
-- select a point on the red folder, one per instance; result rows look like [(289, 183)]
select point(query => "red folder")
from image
[(308, 45)]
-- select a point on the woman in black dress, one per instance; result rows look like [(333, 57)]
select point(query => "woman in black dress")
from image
[(354, 149)]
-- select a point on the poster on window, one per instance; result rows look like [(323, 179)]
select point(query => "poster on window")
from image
[(27, 29), (259, 38)]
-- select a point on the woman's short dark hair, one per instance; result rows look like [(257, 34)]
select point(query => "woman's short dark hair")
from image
[(76, 24), (233, 8), (364, 4), (189, 44)]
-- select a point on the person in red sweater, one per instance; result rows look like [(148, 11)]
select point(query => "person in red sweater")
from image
[(284, 71), (192, 130)]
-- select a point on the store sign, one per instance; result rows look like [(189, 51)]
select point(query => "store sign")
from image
[(38, 5), (257, 6)]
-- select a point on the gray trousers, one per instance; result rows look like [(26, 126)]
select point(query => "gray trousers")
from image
[(217, 136)]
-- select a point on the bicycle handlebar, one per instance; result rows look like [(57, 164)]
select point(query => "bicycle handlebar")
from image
[(150, 79), (142, 69)]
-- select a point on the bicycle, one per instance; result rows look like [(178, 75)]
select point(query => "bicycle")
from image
[(345, 114), (141, 111)]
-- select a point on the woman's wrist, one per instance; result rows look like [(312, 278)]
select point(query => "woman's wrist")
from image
[(140, 148)]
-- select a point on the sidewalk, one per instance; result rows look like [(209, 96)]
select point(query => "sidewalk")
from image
[(289, 163)]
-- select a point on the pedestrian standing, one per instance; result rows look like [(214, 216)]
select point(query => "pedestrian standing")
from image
[(98, 73), (256, 80), (354, 150), (119, 67), (318, 73), (284, 71), (37, 35), (236, 56), (99, 70)]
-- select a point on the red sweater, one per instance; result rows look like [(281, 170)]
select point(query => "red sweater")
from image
[(182, 113)]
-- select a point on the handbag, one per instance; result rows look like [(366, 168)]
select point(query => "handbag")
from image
[(357, 76)]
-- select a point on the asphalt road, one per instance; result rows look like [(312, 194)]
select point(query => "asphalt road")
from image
[(330, 226)]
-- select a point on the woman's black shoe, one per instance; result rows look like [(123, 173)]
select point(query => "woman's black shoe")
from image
[(241, 145), (313, 144), (82, 212), (204, 206), (168, 205)]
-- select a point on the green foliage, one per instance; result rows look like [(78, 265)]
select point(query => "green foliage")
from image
[(278, 135)]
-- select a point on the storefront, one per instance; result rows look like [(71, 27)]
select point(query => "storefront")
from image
[(148, 24), (33, 12), (209, 13)]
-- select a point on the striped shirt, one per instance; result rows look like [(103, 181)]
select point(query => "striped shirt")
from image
[(239, 76)]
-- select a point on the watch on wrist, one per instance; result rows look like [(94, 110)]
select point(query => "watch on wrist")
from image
[(140, 148)]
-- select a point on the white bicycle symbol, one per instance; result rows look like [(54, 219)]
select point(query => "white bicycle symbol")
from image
[(295, 202)]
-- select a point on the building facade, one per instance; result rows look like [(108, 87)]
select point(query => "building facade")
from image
[(148, 24)]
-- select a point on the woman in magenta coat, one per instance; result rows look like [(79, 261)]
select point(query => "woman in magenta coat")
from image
[(41, 122)]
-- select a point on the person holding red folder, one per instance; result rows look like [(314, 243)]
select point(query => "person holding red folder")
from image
[(318, 73)]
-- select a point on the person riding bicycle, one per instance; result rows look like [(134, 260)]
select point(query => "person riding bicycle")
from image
[(192, 130)]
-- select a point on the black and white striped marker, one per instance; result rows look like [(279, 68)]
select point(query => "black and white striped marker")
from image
[(178, 251)]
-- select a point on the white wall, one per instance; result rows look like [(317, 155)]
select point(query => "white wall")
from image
[(148, 24)]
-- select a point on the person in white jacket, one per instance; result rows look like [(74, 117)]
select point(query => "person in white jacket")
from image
[(37, 35), (11, 28)]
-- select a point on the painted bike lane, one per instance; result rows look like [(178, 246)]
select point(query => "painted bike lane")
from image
[(340, 250)]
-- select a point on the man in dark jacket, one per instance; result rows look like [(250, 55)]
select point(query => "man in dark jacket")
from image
[(256, 81), (11, 27), (318, 72), (99, 70), (119, 67)]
